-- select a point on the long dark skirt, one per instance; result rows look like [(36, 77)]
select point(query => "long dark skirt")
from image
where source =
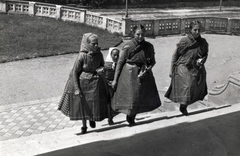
[(187, 86), (94, 101), (133, 96)]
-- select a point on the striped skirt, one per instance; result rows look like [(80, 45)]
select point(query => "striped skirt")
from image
[(92, 105)]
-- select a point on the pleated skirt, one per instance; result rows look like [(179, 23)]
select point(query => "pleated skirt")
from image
[(92, 105)]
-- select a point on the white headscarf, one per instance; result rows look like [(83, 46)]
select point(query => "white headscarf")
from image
[(109, 58), (86, 39)]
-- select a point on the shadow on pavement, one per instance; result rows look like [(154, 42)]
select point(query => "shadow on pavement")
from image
[(217, 136)]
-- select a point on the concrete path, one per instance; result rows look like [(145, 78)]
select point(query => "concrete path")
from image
[(41, 79)]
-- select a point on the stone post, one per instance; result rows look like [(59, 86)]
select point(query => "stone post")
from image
[(58, 12), (229, 25), (126, 26), (3, 6), (182, 26), (82, 16), (104, 24), (207, 25), (32, 8), (156, 28)]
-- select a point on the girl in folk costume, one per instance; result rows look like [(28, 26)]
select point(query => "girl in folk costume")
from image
[(86, 96), (110, 66), (134, 84), (110, 63), (188, 74)]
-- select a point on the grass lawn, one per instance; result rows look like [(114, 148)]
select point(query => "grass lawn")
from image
[(24, 37)]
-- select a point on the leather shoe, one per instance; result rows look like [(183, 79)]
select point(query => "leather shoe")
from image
[(110, 122), (83, 130), (92, 124), (130, 120), (183, 109)]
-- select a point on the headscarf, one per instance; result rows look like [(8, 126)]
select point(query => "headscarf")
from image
[(86, 39)]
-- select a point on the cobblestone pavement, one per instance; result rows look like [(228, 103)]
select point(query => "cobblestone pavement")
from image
[(32, 119), (35, 118)]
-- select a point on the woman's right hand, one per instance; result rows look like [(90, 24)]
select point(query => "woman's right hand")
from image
[(114, 84), (77, 92)]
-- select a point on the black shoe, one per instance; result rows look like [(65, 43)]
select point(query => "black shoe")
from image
[(130, 120), (183, 109), (133, 120), (110, 122), (92, 124), (84, 130)]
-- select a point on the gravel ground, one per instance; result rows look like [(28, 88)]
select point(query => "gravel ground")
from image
[(42, 78)]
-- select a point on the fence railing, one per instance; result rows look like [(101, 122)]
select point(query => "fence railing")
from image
[(154, 27), (161, 27)]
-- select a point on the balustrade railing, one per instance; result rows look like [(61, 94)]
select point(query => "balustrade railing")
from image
[(234, 26), (156, 27), (94, 20), (45, 10), (18, 7), (169, 26), (70, 14), (114, 26)]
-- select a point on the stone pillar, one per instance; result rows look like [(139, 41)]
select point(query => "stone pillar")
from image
[(32, 8), (207, 25), (58, 12), (3, 6), (126, 26), (229, 25), (83, 16), (182, 26), (104, 24), (156, 28)]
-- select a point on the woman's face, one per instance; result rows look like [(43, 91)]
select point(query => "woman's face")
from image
[(93, 45), (115, 55), (139, 35), (195, 31)]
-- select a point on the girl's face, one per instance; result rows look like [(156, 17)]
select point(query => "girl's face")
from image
[(139, 35), (115, 55), (93, 44), (195, 31)]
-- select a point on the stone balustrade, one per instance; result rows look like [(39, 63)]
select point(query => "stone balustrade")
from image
[(154, 27)]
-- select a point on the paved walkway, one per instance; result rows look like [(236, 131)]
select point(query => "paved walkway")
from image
[(203, 132), (30, 119)]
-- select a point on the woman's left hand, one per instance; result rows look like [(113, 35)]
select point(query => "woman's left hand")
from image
[(199, 62)]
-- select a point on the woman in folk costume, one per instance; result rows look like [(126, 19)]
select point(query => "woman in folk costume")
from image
[(188, 74), (134, 84), (86, 96)]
